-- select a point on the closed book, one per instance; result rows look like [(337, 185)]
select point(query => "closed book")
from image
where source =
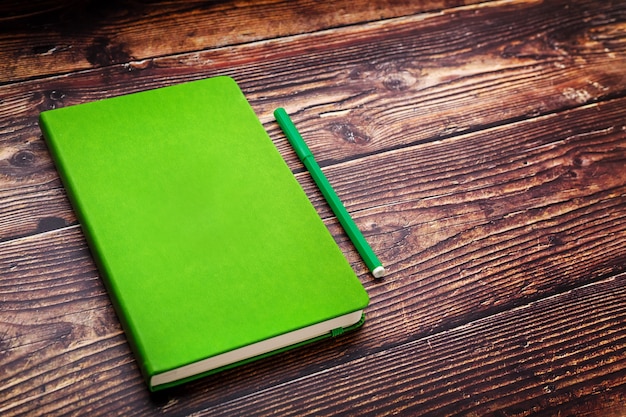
[(210, 250)]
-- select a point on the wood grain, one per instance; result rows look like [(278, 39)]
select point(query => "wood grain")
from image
[(567, 346), (457, 251), (31, 210), (480, 148), (85, 34), (556, 350), (343, 77), (336, 100)]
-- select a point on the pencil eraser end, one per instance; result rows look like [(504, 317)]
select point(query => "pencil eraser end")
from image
[(379, 272)]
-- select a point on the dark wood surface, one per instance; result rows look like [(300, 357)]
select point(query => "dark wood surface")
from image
[(480, 146)]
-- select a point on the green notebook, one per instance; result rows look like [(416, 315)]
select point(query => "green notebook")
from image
[(211, 252)]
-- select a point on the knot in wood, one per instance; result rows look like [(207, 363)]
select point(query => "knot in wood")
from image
[(22, 159), (349, 133), (399, 81)]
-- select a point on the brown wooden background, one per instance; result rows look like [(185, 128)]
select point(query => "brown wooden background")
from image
[(480, 145)]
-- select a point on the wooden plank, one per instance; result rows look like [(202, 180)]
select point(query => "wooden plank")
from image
[(557, 355), (565, 351), (56, 322), (31, 210), (485, 226), (566, 77), (533, 59), (75, 35), (481, 223), (365, 184)]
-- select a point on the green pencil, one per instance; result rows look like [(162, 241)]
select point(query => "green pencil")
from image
[(305, 155)]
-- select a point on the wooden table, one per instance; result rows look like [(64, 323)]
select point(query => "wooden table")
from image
[(480, 146)]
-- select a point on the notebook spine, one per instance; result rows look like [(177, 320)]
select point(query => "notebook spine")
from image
[(102, 267)]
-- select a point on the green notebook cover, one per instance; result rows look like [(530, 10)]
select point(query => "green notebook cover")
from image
[(209, 248)]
